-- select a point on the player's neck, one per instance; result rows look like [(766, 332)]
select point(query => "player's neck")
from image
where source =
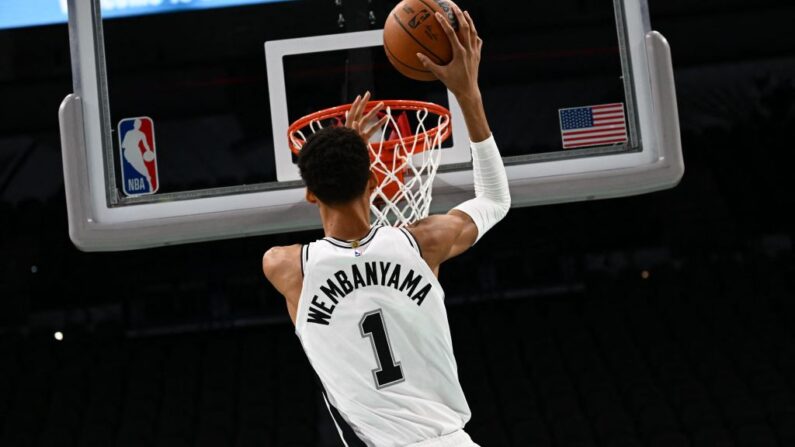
[(348, 222)]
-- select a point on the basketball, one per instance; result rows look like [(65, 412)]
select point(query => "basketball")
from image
[(411, 28)]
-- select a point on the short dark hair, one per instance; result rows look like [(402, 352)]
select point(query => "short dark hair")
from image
[(335, 165)]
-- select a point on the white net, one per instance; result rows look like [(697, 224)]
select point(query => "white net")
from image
[(405, 163)]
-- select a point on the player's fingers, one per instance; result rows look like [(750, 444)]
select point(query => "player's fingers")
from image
[(350, 116), (365, 100), (463, 26), (473, 32), (472, 28), (369, 116), (451, 35), (430, 65), (375, 127), (360, 103)]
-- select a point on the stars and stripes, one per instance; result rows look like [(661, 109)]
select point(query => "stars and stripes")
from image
[(589, 126)]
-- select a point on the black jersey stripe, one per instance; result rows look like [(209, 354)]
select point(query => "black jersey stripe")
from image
[(347, 244), (348, 436), (336, 244), (416, 242), (369, 237), (408, 238), (412, 240), (303, 259)]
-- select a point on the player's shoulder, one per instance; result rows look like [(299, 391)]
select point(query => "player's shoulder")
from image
[(279, 258), (436, 229)]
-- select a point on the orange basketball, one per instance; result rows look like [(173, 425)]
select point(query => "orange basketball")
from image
[(411, 28)]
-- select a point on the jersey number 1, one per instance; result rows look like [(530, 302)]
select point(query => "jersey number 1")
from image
[(388, 371)]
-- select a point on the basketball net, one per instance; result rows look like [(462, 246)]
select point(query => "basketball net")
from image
[(404, 160)]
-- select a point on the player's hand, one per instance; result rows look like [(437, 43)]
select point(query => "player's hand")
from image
[(461, 74), (365, 123)]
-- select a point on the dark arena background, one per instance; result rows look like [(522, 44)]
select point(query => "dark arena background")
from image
[(663, 320)]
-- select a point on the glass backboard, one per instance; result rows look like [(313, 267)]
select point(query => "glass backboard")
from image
[(580, 98)]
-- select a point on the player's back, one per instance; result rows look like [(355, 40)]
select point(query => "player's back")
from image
[(372, 321)]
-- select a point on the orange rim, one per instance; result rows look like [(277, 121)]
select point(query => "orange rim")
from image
[(296, 141)]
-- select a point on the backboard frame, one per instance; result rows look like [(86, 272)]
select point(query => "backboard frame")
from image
[(100, 221)]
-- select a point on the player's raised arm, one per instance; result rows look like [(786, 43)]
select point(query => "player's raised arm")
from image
[(445, 236)]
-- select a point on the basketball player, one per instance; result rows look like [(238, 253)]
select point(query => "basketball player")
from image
[(366, 303)]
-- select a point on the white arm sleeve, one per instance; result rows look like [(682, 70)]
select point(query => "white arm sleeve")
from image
[(492, 196)]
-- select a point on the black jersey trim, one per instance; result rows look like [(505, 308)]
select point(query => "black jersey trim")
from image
[(336, 244), (412, 240), (304, 258), (369, 237), (348, 436), (348, 244), (405, 233)]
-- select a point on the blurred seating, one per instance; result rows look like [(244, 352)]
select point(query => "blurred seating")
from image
[(667, 362)]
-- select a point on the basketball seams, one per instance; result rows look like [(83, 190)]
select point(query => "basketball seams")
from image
[(395, 58), (439, 60), (443, 12)]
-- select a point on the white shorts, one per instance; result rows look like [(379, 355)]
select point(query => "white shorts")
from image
[(458, 438)]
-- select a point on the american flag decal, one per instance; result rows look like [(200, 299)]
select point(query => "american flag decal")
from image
[(593, 126)]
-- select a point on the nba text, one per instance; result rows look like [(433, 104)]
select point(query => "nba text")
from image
[(386, 274), (136, 185)]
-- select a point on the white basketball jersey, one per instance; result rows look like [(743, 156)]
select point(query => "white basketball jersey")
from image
[(372, 321)]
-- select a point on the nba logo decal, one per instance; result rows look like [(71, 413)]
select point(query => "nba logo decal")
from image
[(138, 156)]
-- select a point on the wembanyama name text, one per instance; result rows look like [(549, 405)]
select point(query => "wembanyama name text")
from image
[(361, 275)]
